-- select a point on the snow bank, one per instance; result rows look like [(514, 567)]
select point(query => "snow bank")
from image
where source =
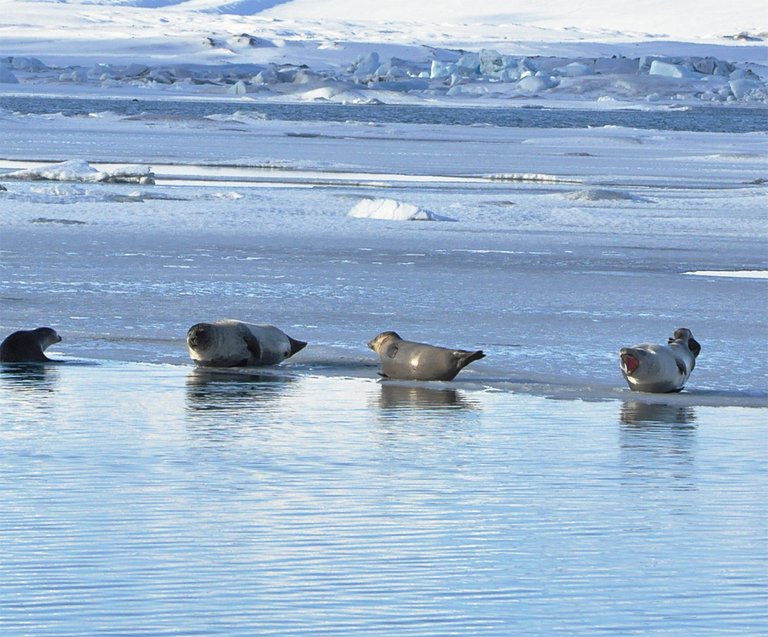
[(82, 171), (393, 210)]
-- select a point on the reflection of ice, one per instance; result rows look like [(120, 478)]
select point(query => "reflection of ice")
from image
[(210, 390), (638, 413)]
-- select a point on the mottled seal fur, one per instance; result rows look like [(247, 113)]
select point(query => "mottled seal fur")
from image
[(27, 346), (655, 368), (407, 360), (231, 343)]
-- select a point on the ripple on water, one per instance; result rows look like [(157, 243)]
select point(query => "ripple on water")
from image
[(151, 499)]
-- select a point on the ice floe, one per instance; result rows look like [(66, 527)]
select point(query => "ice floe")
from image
[(392, 210)]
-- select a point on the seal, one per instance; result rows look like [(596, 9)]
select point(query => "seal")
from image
[(27, 346), (407, 360), (231, 343), (655, 368)]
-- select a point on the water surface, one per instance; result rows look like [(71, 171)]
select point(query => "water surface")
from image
[(709, 118), (159, 500)]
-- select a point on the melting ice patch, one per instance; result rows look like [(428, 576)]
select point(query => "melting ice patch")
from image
[(393, 210)]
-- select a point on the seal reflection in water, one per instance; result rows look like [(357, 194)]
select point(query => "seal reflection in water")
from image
[(407, 360), (27, 346), (397, 397), (650, 367), (230, 343)]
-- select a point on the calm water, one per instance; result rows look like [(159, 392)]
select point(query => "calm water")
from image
[(712, 119), (154, 500)]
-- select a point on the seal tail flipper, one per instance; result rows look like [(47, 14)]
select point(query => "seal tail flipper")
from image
[(465, 358), (296, 346)]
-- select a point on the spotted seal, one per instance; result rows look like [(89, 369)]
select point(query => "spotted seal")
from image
[(27, 346), (407, 360), (231, 343), (651, 367)]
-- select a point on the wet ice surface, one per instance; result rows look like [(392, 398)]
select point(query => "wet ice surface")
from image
[(548, 312), (143, 496), (154, 499)]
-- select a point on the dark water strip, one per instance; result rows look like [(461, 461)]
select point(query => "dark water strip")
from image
[(697, 119)]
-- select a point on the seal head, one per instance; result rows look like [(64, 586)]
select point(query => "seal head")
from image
[(27, 346)]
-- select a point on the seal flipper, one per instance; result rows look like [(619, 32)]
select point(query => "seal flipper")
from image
[(465, 358), (252, 343), (390, 351), (296, 346)]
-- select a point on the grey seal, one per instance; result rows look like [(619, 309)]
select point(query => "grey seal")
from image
[(231, 343), (651, 367), (407, 360), (27, 346)]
